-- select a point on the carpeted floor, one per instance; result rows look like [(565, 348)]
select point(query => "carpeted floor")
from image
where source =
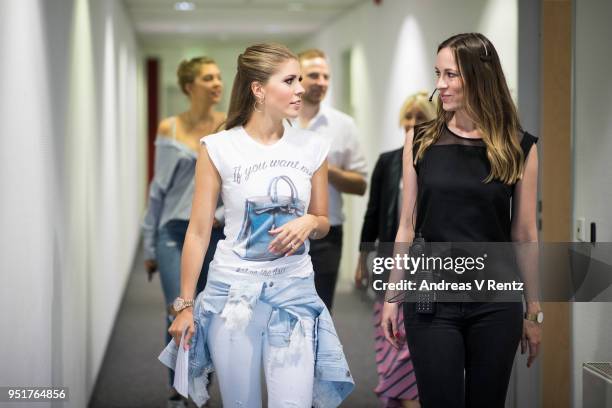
[(132, 377)]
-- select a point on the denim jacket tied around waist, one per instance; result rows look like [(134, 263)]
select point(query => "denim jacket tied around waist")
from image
[(292, 299)]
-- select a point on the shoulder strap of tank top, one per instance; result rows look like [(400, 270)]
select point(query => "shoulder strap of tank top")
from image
[(174, 127)]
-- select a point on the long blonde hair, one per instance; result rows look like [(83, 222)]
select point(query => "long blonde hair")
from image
[(256, 64), (487, 102)]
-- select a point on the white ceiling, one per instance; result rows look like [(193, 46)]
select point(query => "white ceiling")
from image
[(157, 22)]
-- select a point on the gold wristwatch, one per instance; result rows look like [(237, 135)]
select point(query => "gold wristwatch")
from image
[(535, 317), (180, 304)]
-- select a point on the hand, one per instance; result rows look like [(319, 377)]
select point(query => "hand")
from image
[(389, 323), (532, 336), (361, 278), (151, 267), (290, 236), (183, 320)]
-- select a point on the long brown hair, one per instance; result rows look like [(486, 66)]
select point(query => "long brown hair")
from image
[(256, 64), (487, 102)]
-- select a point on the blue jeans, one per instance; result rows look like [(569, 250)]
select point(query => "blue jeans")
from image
[(170, 240), (238, 356), (239, 303)]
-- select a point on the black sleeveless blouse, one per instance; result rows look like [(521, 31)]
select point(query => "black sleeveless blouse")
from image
[(454, 204)]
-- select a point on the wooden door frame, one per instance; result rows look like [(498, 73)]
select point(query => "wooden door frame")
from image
[(556, 186)]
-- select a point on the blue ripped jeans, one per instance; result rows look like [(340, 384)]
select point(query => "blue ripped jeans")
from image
[(289, 314), (169, 247), (289, 380)]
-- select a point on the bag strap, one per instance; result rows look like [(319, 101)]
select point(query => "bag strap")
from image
[(273, 188)]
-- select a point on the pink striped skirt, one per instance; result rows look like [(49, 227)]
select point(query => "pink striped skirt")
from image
[(396, 380)]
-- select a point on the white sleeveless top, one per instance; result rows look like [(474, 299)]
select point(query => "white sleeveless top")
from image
[(262, 187)]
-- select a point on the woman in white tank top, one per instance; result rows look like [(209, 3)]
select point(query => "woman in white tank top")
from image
[(260, 308)]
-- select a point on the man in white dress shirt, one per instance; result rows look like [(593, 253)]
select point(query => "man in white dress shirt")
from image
[(347, 166)]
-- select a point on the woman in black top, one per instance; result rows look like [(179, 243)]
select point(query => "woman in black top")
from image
[(474, 172)]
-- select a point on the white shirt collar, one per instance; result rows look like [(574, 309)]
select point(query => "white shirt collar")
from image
[(320, 119)]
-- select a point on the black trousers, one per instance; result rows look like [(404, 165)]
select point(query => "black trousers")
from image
[(325, 254), (463, 354)]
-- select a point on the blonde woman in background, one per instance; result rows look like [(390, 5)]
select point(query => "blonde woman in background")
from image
[(396, 382), (171, 191)]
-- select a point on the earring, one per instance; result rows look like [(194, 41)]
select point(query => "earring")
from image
[(261, 102)]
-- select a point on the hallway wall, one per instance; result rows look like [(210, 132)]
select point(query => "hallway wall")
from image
[(592, 141), (391, 53), (73, 180)]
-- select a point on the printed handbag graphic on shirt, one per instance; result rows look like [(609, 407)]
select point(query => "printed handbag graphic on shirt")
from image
[(264, 213)]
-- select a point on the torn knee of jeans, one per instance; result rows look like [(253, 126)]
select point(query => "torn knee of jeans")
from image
[(239, 404), (292, 353), (237, 314), (170, 244), (239, 305)]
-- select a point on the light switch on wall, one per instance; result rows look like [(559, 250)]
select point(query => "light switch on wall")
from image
[(579, 229)]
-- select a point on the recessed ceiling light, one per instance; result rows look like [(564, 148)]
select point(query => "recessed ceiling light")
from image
[(272, 29), (184, 6)]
